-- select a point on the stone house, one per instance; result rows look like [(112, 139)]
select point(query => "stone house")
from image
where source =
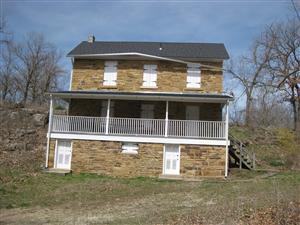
[(142, 109)]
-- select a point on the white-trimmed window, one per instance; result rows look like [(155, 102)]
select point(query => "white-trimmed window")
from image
[(110, 73), (193, 79), (150, 76)]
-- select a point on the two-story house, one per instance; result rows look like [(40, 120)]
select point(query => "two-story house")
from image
[(143, 109)]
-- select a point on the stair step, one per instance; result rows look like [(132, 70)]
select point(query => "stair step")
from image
[(238, 155), (62, 172), (170, 177)]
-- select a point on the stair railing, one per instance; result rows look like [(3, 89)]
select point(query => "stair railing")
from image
[(243, 151)]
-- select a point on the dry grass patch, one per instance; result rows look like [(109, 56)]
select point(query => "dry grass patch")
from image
[(92, 199)]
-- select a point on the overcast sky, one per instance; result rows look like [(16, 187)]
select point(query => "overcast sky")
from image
[(67, 23)]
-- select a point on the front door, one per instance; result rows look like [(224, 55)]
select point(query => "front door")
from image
[(172, 160), (192, 113), (63, 155)]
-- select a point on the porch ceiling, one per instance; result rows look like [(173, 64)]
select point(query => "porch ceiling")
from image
[(147, 96)]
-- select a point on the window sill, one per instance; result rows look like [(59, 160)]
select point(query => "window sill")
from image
[(192, 89), (109, 87), (144, 87)]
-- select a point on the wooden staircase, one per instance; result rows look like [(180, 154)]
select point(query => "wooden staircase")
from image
[(240, 155)]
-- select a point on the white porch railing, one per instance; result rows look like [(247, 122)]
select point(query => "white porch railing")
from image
[(139, 127), (196, 129), (78, 124), (136, 126)]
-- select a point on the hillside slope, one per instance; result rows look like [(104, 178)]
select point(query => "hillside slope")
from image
[(274, 147), (22, 138)]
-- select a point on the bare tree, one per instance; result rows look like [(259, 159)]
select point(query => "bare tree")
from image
[(6, 74), (296, 8), (250, 71), (284, 63), (270, 110), (37, 67)]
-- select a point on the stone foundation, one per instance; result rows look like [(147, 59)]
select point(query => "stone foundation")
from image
[(199, 160), (105, 157)]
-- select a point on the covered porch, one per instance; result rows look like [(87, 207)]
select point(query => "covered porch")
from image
[(148, 115)]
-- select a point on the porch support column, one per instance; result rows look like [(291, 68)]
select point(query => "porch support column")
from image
[(107, 116), (49, 130), (226, 136), (167, 119)]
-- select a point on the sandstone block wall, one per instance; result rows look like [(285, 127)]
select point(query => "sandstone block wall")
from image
[(51, 153), (199, 160), (105, 157), (171, 76)]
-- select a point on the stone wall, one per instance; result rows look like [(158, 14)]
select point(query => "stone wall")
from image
[(22, 137), (51, 153), (199, 160), (132, 109), (105, 157), (171, 77)]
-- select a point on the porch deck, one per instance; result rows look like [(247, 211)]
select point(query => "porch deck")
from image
[(215, 130)]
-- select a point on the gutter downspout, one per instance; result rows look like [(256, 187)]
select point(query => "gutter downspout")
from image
[(49, 130), (227, 141)]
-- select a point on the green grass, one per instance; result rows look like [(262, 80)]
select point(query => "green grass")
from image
[(273, 147), (93, 199)]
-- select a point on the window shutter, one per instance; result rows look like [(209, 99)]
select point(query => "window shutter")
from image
[(150, 76), (146, 78), (110, 73), (193, 76)]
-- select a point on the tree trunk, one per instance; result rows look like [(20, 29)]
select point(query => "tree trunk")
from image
[(247, 113), (24, 101), (297, 124), (248, 107)]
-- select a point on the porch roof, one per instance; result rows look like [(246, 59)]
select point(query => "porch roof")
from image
[(148, 96)]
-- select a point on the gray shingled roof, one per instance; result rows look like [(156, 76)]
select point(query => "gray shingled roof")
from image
[(171, 50)]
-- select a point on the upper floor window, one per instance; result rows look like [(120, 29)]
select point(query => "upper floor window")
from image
[(150, 76), (193, 79), (110, 73)]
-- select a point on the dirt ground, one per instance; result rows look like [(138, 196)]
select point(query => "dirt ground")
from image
[(92, 199)]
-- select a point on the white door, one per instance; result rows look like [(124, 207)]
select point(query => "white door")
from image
[(172, 160), (192, 113), (63, 155)]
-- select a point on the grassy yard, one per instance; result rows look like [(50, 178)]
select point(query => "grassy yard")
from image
[(91, 199)]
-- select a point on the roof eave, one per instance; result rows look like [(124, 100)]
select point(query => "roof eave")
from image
[(148, 96)]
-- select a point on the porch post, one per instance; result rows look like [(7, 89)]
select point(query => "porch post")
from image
[(226, 136), (107, 116), (49, 130), (167, 119)]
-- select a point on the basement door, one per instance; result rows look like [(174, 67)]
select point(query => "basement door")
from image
[(63, 154), (172, 160)]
